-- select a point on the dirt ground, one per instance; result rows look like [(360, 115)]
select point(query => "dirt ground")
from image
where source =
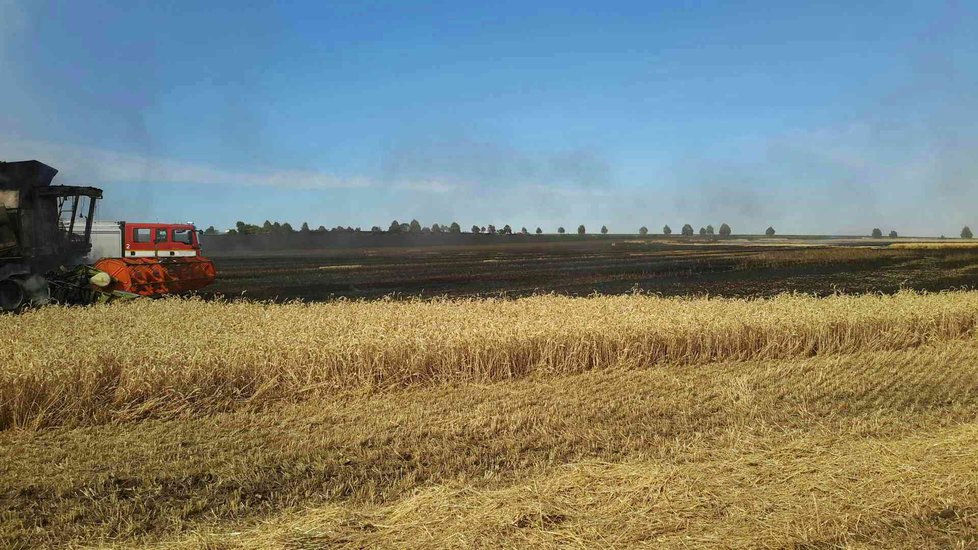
[(603, 266)]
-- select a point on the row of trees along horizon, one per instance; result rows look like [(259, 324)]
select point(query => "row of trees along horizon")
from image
[(269, 227)]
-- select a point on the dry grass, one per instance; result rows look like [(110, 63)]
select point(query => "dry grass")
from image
[(822, 255), (790, 422), (880, 444), (340, 267), (915, 492), (125, 362), (935, 245)]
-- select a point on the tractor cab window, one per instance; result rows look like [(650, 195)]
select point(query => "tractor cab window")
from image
[(184, 236), (161, 235), (141, 235)]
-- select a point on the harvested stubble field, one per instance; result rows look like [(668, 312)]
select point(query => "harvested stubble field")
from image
[(792, 421), (608, 266)]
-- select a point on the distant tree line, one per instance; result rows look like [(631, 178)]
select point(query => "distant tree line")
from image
[(276, 228), (877, 233), (270, 228), (414, 226)]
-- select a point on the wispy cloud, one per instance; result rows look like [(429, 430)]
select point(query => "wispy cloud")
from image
[(436, 172), (79, 164), (428, 186), (480, 165)]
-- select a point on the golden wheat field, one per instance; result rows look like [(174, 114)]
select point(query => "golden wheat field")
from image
[(793, 421)]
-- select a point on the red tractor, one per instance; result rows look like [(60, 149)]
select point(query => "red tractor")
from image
[(49, 239), (150, 259)]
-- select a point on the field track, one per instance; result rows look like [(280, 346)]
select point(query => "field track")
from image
[(791, 422)]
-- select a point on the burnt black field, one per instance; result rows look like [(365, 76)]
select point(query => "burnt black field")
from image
[(582, 267)]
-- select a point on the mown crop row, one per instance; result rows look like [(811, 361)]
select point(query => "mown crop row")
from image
[(159, 358)]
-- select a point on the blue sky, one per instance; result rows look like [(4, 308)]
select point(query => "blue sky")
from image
[(827, 118)]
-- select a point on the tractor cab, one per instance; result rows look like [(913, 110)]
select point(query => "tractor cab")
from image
[(160, 240), (150, 259)]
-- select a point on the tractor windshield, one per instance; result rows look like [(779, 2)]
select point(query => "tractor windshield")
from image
[(183, 236)]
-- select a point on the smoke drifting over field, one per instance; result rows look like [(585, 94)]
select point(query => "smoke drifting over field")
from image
[(902, 159), (481, 166)]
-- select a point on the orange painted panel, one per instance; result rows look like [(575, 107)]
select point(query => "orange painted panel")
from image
[(158, 276)]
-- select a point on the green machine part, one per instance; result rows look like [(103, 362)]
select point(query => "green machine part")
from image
[(78, 285)]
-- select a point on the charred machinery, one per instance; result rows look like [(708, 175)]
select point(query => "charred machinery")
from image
[(47, 253)]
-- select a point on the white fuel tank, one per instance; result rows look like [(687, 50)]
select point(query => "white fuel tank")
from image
[(106, 240)]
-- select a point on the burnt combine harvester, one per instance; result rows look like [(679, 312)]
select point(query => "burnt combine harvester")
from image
[(49, 239)]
